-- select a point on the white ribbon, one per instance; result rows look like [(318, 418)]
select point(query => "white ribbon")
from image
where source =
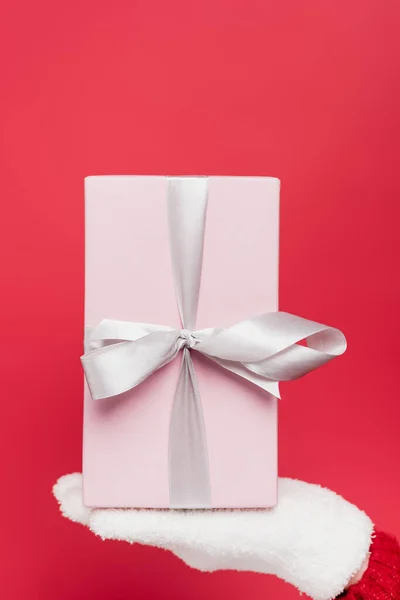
[(263, 349)]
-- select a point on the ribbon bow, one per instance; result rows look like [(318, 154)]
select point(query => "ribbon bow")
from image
[(263, 349)]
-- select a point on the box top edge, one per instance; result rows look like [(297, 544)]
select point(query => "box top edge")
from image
[(263, 177)]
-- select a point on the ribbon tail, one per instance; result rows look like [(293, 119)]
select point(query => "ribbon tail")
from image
[(189, 477), (269, 385)]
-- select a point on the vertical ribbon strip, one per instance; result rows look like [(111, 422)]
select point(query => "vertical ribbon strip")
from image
[(189, 477)]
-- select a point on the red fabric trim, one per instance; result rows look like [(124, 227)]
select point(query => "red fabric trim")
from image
[(381, 580)]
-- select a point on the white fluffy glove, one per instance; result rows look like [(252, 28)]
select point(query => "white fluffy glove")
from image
[(313, 539)]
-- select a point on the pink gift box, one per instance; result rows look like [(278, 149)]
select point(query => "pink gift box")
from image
[(129, 277)]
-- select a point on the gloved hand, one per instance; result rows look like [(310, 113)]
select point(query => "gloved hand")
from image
[(313, 539)]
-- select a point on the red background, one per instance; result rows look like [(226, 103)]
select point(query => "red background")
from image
[(305, 91)]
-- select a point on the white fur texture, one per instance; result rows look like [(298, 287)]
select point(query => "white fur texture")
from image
[(313, 539)]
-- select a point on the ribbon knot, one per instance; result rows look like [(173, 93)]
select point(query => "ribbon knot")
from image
[(187, 338)]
